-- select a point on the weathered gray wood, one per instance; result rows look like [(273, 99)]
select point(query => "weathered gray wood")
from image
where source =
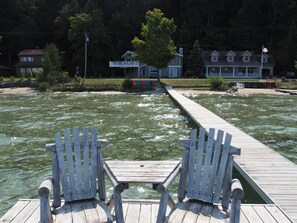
[(70, 165), (56, 180), (78, 166), (86, 160), (209, 179), (183, 176), (62, 170), (79, 177), (44, 191), (266, 212)]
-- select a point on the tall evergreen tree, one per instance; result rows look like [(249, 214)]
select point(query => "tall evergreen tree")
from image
[(195, 61), (156, 48), (287, 54)]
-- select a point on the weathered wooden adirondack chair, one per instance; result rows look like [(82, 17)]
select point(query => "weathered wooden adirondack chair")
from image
[(78, 167), (206, 182)]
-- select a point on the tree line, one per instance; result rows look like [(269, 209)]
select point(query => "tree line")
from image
[(112, 25)]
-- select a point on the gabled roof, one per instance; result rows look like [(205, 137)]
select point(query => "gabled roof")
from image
[(231, 52), (255, 59), (127, 53), (31, 52), (131, 52)]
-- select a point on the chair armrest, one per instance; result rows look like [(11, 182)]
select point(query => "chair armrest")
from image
[(161, 188), (236, 189), (165, 196), (45, 209), (237, 194), (118, 189)]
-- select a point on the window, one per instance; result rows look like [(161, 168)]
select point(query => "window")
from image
[(172, 72), (246, 58), (22, 70), (214, 58), (26, 59), (230, 58)]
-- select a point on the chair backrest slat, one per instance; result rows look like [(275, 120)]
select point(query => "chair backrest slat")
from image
[(77, 156), (215, 161), (70, 165), (206, 167), (191, 173), (209, 164), (62, 168), (94, 162), (199, 161), (79, 165), (87, 177), (223, 168)]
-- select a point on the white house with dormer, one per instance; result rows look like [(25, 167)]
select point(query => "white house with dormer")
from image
[(237, 64), (133, 68)]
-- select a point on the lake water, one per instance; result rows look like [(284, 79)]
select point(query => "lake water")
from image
[(138, 127), (272, 119)]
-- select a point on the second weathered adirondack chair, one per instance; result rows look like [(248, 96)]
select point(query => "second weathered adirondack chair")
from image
[(78, 167), (206, 182)]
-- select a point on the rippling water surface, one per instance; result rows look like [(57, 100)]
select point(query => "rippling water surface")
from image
[(272, 119), (138, 127)]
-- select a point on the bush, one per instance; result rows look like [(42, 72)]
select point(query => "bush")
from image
[(63, 77), (43, 86), (40, 77), (1, 78), (127, 85), (217, 83), (52, 77)]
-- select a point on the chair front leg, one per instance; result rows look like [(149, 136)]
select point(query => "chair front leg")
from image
[(45, 209), (237, 194)]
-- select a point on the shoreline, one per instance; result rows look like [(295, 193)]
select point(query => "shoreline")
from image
[(253, 91)]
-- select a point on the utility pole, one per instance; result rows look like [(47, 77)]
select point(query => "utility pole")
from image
[(86, 54)]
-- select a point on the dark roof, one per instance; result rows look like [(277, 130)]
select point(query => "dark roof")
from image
[(255, 60), (31, 52)]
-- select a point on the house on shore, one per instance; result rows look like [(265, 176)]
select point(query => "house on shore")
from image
[(31, 60), (237, 64), (133, 68)]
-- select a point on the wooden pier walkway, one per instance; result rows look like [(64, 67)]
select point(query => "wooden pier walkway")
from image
[(273, 176), (145, 211)]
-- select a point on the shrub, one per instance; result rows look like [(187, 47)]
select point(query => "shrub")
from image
[(217, 83), (127, 85), (1, 78), (52, 77), (63, 77), (43, 86), (40, 77)]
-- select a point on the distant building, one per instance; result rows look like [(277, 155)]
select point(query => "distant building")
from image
[(5, 71), (31, 60), (133, 68), (237, 64)]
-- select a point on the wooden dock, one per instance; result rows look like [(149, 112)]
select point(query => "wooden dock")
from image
[(271, 175), (145, 211)]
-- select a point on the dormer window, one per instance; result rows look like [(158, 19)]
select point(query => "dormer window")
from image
[(230, 56), (246, 56), (215, 56)]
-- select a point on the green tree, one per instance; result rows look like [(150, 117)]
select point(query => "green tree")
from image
[(195, 60), (156, 48), (287, 54), (92, 24), (51, 64)]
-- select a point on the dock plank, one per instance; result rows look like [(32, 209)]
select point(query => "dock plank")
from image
[(142, 211), (258, 164)]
